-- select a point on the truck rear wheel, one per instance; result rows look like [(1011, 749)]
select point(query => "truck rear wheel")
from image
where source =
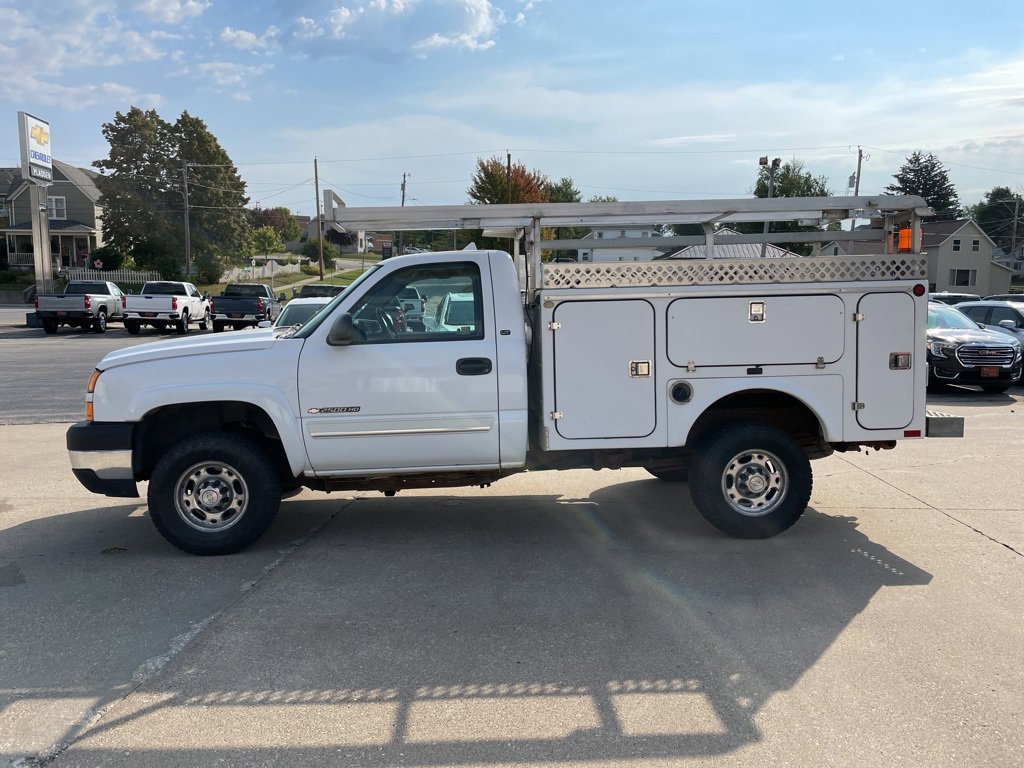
[(750, 481), (49, 325), (99, 325), (214, 494), (132, 326)]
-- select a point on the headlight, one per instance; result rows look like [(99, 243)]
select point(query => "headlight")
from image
[(941, 348)]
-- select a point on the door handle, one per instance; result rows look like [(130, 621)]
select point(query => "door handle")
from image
[(473, 366)]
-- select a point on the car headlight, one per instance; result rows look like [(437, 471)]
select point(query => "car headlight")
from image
[(941, 348)]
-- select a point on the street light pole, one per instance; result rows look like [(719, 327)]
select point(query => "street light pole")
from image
[(771, 184)]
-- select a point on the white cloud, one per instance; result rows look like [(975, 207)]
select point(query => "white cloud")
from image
[(248, 41), (227, 73), (172, 11), (480, 25)]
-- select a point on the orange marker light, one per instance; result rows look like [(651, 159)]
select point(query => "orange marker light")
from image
[(89, 394)]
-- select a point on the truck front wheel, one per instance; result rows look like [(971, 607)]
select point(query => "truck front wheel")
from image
[(750, 481), (214, 494)]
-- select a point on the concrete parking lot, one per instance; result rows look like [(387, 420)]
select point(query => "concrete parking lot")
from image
[(552, 619)]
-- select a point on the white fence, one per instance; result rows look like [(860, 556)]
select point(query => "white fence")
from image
[(126, 276)]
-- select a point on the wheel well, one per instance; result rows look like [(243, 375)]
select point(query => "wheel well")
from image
[(162, 427), (765, 406)]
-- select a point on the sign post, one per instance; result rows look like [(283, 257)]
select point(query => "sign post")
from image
[(37, 170)]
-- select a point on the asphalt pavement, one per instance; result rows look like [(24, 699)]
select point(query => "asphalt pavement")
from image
[(552, 619)]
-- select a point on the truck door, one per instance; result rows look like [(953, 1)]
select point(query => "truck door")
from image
[(604, 369), (885, 381), (406, 396)]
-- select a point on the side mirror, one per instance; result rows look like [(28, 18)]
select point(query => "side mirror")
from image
[(207, 295), (981, 326), (264, 324), (282, 297), (1009, 324), (344, 332)]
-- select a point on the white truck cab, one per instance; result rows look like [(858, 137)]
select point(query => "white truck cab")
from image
[(734, 373)]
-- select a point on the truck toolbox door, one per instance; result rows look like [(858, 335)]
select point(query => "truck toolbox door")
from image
[(885, 391), (405, 399)]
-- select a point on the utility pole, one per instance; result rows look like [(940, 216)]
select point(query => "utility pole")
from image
[(401, 232), (188, 228), (508, 175), (319, 222), (1013, 232), (771, 190), (856, 183)]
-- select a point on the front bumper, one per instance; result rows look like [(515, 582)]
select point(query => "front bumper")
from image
[(101, 457), (950, 370)]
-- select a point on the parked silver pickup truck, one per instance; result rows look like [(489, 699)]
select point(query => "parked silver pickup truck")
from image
[(85, 304)]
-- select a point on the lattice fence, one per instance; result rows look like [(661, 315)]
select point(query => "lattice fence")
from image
[(810, 269)]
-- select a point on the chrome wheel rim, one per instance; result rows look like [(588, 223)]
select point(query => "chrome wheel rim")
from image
[(754, 482), (211, 496)]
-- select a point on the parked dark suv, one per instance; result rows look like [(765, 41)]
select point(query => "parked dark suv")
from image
[(960, 352)]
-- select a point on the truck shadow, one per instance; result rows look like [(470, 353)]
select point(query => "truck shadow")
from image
[(434, 629)]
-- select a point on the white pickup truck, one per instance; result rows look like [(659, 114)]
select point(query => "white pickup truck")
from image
[(731, 372), (164, 303)]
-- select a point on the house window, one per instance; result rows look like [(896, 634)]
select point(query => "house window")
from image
[(975, 245), (56, 207), (600, 235), (956, 244), (962, 278)]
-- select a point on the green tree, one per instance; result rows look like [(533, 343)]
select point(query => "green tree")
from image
[(999, 214), (142, 188), (788, 180), (141, 196), (925, 175), (266, 240)]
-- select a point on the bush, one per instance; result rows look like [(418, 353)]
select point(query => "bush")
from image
[(110, 256), (310, 269)]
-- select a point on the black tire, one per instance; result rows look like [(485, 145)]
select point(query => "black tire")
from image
[(670, 474), (99, 325), (85, 326), (161, 327), (750, 481), (995, 389), (50, 326), (132, 326), (205, 322), (243, 490), (182, 326), (217, 326)]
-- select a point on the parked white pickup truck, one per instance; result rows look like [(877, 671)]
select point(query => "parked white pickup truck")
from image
[(731, 372), (85, 304), (166, 303)]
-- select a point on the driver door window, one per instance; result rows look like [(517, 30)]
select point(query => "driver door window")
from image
[(436, 302)]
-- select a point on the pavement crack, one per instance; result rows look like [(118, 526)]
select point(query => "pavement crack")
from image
[(952, 517)]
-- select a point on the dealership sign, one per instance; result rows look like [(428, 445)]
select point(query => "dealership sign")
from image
[(36, 162)]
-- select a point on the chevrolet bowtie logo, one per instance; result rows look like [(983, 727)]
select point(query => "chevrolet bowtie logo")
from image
[(39, 134)]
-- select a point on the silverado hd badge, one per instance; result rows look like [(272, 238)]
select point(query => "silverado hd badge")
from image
[(336, 409)]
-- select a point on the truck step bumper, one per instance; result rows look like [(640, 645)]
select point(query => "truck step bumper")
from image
[(939, 424)]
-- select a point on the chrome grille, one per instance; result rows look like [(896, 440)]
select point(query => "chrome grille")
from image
[(977, 355)]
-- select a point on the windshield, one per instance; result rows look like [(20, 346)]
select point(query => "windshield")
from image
[(947, 317), (296, 314), (164, 289), (73, 288), (314, 322)]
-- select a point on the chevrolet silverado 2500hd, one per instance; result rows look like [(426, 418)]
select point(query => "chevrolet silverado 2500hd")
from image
[(164, 303), (740, 370), (85, 304)]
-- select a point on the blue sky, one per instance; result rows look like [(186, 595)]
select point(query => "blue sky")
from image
[(650, 99)]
